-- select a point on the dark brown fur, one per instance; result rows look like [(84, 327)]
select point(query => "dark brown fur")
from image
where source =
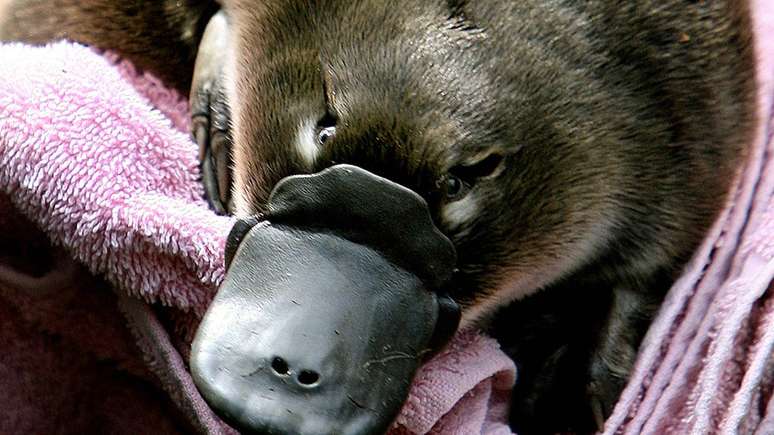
[(619, 123)]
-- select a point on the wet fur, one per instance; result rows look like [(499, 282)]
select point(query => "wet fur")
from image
[(620, 125)]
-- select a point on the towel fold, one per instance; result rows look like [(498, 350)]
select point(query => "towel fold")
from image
[(95, 154)]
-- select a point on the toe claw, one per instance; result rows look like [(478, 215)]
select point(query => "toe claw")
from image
[(220, 151), (210, 114), (199, 130), (210, 184)]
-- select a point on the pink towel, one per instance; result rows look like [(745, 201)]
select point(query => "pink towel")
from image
[(97, 155), (84, 156)]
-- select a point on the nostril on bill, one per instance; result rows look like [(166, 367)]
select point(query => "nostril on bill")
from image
[(305, 378), (280, 366), (308, 378)]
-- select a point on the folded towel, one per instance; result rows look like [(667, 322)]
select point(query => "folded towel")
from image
[(84, 156), (97, 155)]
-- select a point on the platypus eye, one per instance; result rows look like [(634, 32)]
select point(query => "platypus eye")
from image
[(326, 128), (325, 134), (462, 178), (454, 188)]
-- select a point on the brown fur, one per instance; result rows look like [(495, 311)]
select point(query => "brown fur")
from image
[(619, 125)]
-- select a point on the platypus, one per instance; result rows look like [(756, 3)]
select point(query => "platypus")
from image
[(575, 153)]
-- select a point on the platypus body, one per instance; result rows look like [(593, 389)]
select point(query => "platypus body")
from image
[(575, 153)]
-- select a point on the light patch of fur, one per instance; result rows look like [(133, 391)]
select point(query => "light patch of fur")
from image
[(241, 211), (229, 75), (306, 143), (242, 206), (456, 214)]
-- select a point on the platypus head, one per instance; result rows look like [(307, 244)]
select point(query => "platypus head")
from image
[(463, 103), (530, 148)]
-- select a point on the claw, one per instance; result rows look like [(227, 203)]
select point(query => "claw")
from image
[(210, 114), (220, 151), (210, 183), (199, 131)]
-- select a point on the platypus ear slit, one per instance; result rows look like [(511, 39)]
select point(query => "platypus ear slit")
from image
[(488, 166), (236, 235)]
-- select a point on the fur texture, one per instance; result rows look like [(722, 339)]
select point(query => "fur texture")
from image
[(618, 126), (593, 143)]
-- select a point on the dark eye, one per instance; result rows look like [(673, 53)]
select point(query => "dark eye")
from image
[(326, 128), (325, 134), (454, 188)]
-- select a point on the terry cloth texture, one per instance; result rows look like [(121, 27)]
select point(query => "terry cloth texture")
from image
[(95, 159)]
